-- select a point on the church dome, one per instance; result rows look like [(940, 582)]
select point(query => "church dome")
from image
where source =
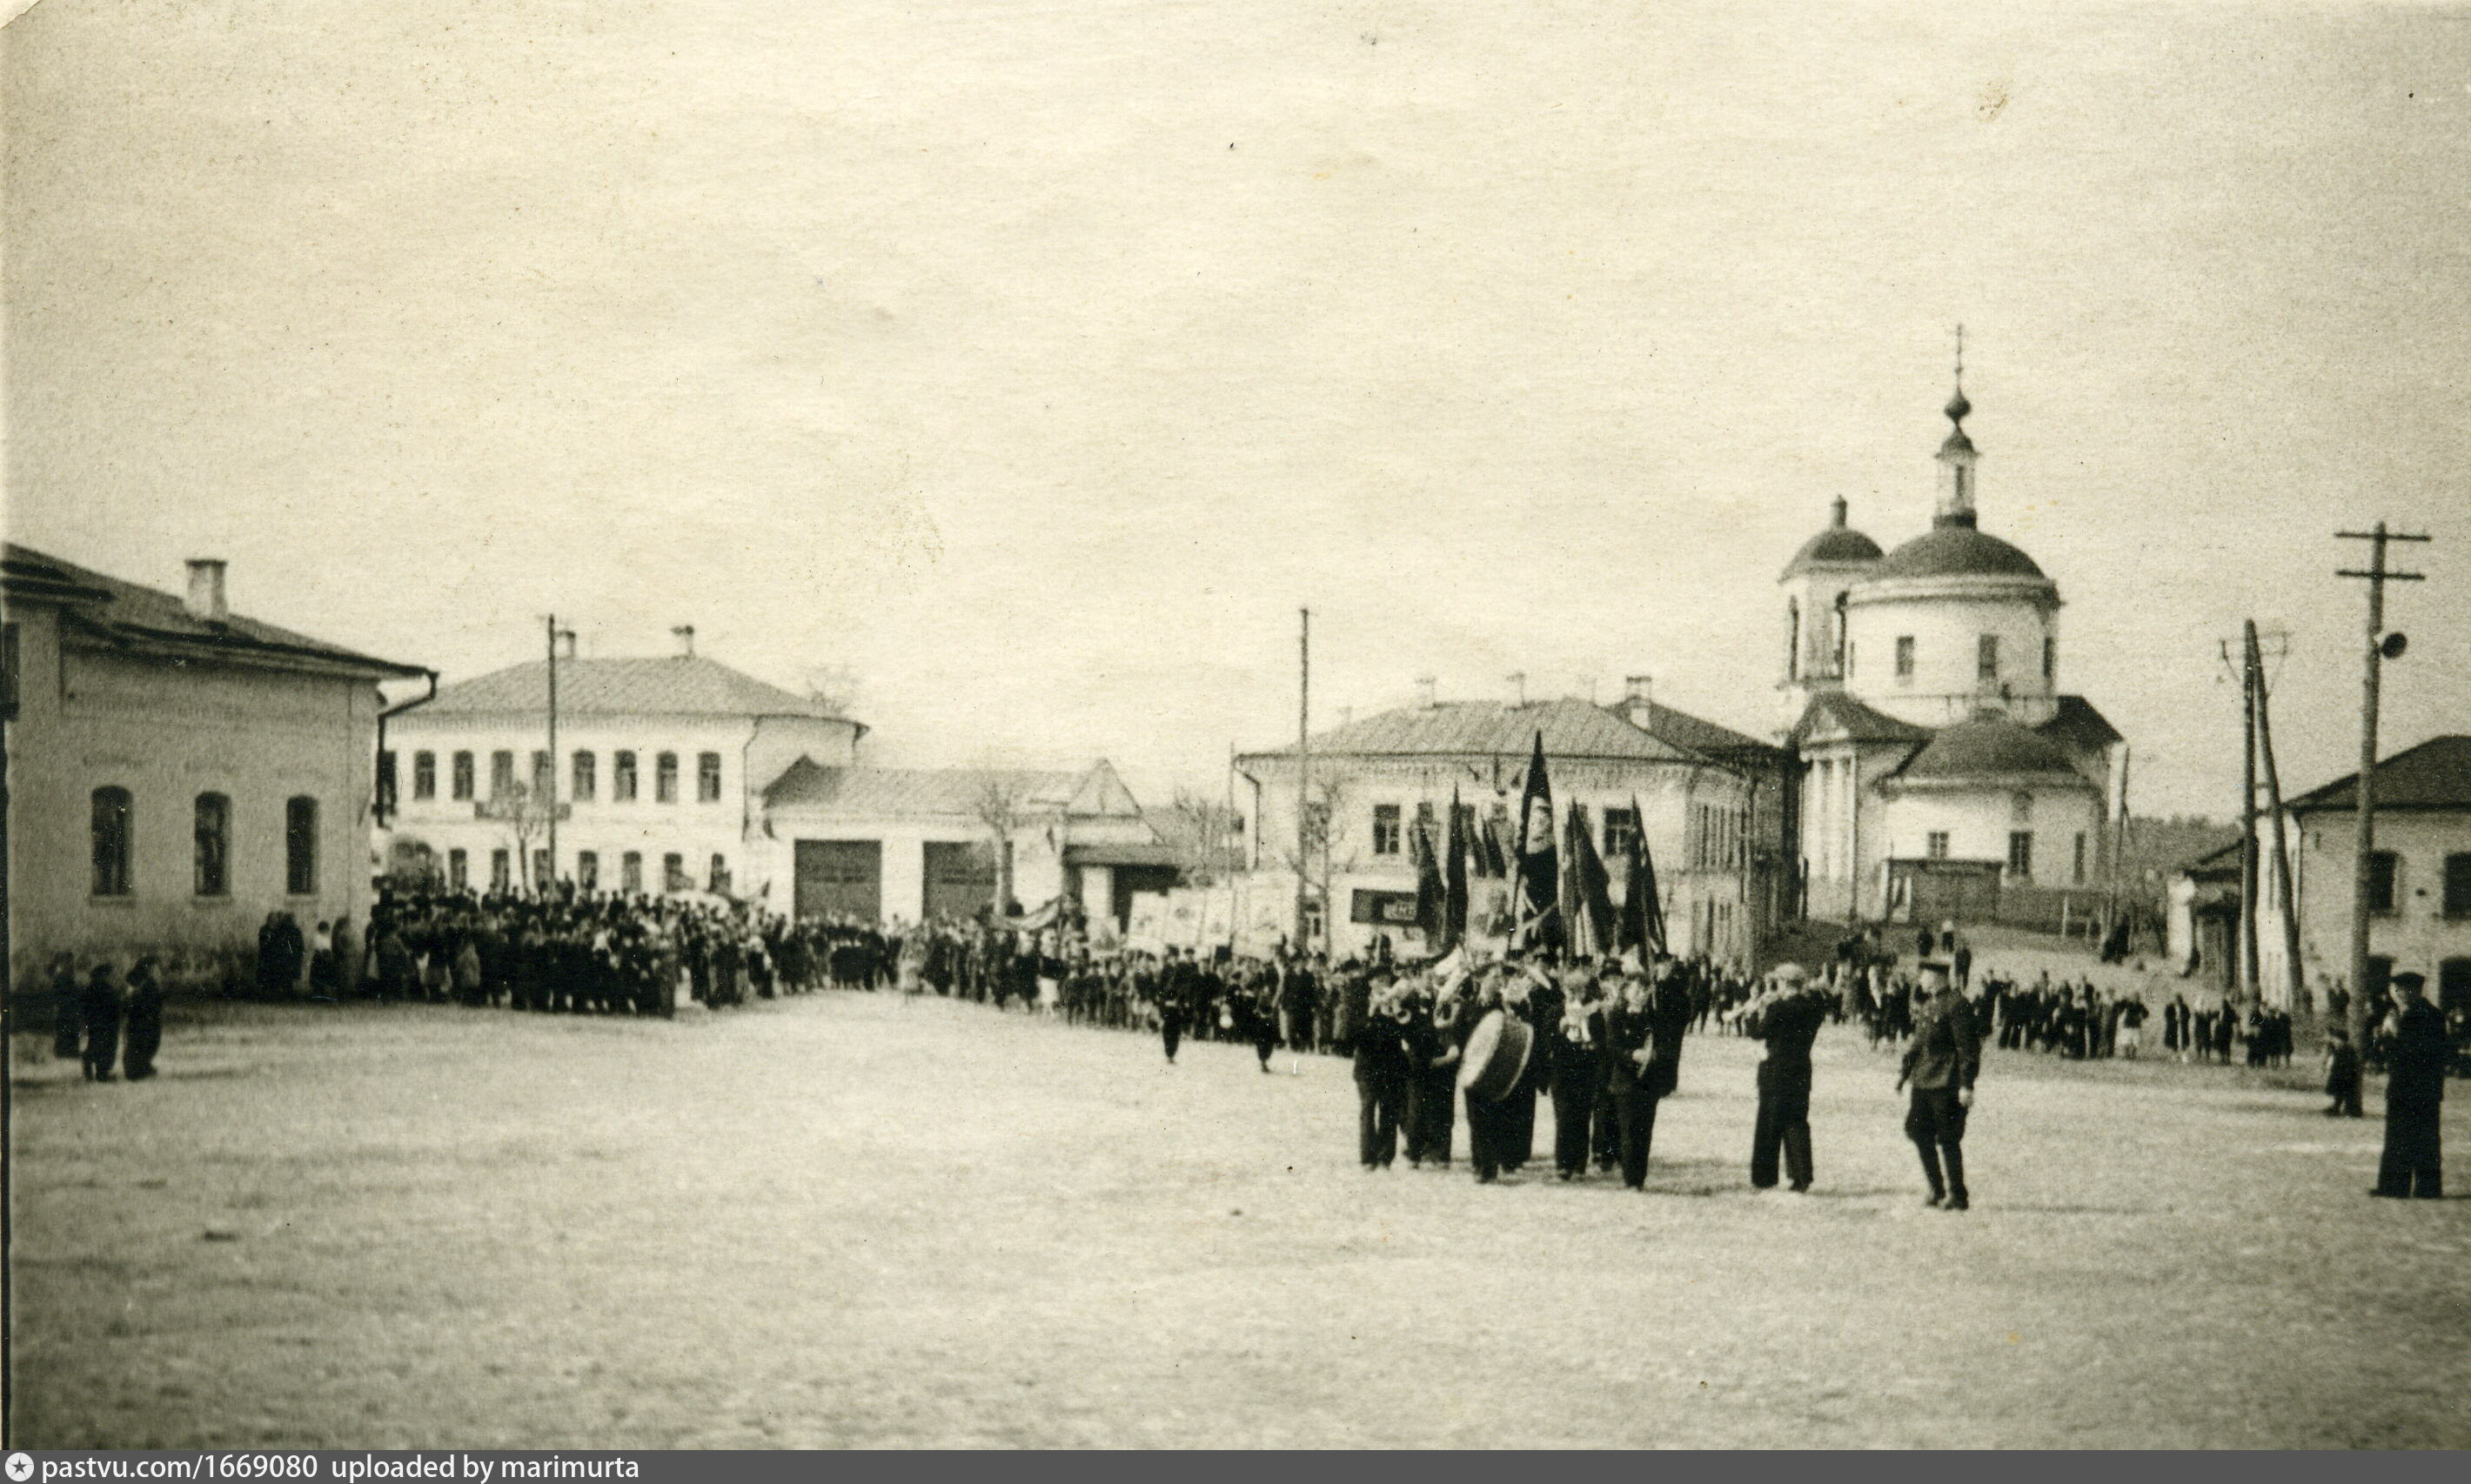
[(1953, 550), (1837, 543)]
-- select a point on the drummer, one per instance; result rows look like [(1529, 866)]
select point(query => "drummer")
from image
[(1488, 1118)]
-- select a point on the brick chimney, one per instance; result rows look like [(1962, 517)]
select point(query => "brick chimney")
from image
[(206, 590), (684, 634), (1639, 703), (1427, 692)]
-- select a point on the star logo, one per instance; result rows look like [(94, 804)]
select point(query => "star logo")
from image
[(20, 1468)]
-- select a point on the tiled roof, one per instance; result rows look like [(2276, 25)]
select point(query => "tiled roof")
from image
[(673, 685), (901, 791), (129, 614), (2436, 774), (1572, 728), (1988, 747), (1834, 711)]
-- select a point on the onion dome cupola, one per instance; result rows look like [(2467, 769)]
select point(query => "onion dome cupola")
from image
[(1840, 543)]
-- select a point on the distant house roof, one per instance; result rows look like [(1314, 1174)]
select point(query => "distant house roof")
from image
[(131, 616), (1096, 793), (2436, 774), (2078, 725), (1571, 729), (1988, 747), (672, 684), (1684, 730), (1834, 711)]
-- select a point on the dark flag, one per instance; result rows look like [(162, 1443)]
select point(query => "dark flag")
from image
[(1432, 911), (1642, 916), (1586, 889), (1454, 881), (1492, 856), (1533, 898)]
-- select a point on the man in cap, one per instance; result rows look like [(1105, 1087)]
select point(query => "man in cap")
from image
[(2412, 1164), (1786, 1019), (1383, 1062), (1940, 1066)]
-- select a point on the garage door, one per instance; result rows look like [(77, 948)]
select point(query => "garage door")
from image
[(841, 878), (960, 879)]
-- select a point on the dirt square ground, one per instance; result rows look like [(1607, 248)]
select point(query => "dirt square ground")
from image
[(857, 1220)]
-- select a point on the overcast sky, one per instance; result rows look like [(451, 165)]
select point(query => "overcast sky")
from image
[(1038, 363)]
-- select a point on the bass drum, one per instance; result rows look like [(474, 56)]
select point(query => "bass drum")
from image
[(1496, 1054)]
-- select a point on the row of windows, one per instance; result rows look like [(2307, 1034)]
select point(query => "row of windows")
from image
[(2384, 879), (587, 871), (115, 833), (1985, 658), (2020, 854), (584, 776), (1389, 827)]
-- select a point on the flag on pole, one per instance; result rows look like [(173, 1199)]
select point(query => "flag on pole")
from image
[(1586, 889), (1534, 903), (1642, 917), (1432, 911), (1454, 881)]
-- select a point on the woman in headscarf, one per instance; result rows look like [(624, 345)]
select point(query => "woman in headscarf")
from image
[(144, 1020)]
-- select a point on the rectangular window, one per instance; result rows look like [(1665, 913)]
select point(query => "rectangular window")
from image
[(621, 778), (708, 777), (502, 774), (9, 671), (587, 778), (674, 873), (2077, 871), (665, 778), (385, 783), (2382, 867), (300, 846), (587, 869), (2458, 885), (424, 774), (502, 870), (2020, 854), (459, 868), (1936, 845), (464, 776), (630, 871), (1385, 828), (1986, 657), (2050, 658), (1621, 831), (543, 779), (718, 876), (214, 845), (1904, 656), (540, 871)]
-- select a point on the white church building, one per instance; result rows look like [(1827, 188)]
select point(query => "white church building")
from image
[(1942, 772)]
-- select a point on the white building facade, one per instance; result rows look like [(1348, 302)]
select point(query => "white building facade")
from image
[(1941, 771), (1380, 779), (681, 774)]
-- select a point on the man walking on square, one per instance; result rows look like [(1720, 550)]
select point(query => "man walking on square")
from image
[(1787, 1021), (2412, 1164), (1940, 1066)]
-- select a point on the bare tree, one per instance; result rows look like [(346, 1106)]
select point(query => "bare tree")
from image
[(1205, 835), (526, 819), (1002, 804), (834, 687)]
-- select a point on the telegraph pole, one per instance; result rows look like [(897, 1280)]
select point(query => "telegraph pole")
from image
[(2285, 891), (1304, 778), (2248, 974), (2363, 803), (550, 802)]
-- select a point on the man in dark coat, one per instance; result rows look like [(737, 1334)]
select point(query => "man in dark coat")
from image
[(1383, 1058), (99, 1013), (1630, 1039), (1575, 1074), (2414, 1160), (1941, 1066), (1786, 1018), (144, 1020)]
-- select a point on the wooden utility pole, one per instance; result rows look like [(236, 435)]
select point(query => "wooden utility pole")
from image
[(2286, 891), (1303, 781), (2247, 977), (550, 801), (2365, 800)]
